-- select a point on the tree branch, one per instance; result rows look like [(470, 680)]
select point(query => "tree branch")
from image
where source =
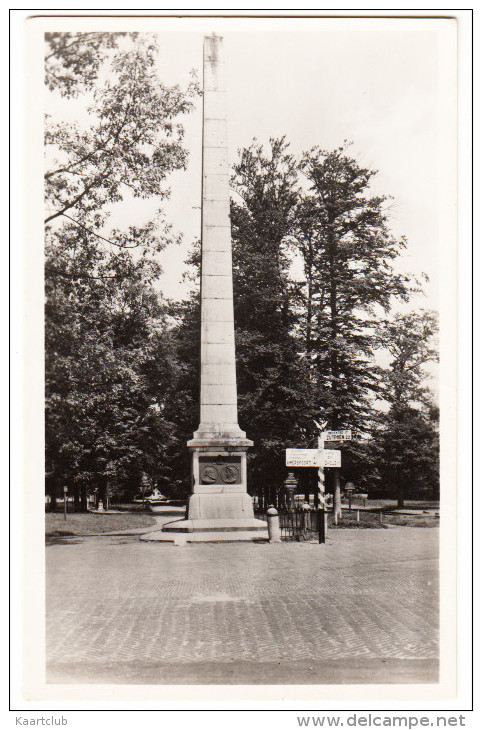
[(89, 230)]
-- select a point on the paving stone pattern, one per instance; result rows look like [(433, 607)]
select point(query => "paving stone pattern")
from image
[(366, 594)]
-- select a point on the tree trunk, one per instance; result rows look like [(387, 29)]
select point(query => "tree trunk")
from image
[(51, 484), (83, 499)]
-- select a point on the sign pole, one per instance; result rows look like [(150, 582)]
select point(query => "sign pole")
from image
[(321, 493)]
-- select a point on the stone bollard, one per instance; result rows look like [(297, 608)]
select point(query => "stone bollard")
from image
[(274, 531)]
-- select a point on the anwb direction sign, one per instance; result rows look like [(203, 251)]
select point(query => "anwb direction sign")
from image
[(313, 457)]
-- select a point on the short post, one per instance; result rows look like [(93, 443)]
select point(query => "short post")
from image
[(66, 489), (381, 516), (274, 531), (358, 515)]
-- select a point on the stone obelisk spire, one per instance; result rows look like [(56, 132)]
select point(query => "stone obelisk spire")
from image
[(220, 506), (219, 413)]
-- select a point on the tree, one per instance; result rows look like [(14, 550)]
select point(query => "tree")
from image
[(182, 404), (73, 60), (272, 384), (109, 357), (347, 250), (406, 443), (133, 138), (109, 365), (410, 341), (406, 450)]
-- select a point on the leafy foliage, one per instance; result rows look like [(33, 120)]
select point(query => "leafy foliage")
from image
[(406, 452), (410, 340), (132, 142), (406, 444), (347, 251), (110, 361), (272, 384), (73, 60)]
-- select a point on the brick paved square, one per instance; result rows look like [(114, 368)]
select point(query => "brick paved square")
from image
[(361, 609)]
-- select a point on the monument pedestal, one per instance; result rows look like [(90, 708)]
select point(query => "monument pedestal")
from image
[(219, 502)]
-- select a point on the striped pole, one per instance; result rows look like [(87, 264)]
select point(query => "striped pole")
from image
[(321, 491)]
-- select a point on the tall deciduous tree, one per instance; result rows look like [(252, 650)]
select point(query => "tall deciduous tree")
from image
[(109, 361), (109, 365), (348, 252), (406, 441), (411, 343), (272, 383)]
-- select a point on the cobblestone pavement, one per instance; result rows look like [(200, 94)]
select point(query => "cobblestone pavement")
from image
[(361, 609)]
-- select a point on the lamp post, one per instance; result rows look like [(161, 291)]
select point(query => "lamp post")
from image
[(291, 483), (350, 488)]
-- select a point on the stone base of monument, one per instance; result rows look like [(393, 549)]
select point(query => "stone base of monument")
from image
[(220, 508), (217, 517), (234, 525), (235, 530)]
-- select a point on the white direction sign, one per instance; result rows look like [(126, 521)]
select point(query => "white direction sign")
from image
[(302, 457), (331, 457), (337, 435), (313, 457)]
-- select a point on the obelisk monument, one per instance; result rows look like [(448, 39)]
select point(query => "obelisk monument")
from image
[(219, 502)]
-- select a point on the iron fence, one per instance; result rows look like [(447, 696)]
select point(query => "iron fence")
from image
[(296, 524)]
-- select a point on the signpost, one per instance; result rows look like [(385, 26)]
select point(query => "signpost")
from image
[(331, 458), (302, 457), (322, 459), (338, 435), (66, 489), (321, 492)]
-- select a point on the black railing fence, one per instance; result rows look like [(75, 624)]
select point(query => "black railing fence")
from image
[(296, 524)]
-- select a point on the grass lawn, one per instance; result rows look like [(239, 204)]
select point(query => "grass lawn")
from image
[(392, 504), (80, 523), (371, 520)]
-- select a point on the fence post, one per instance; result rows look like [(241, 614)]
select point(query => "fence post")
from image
[(274, 531)]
